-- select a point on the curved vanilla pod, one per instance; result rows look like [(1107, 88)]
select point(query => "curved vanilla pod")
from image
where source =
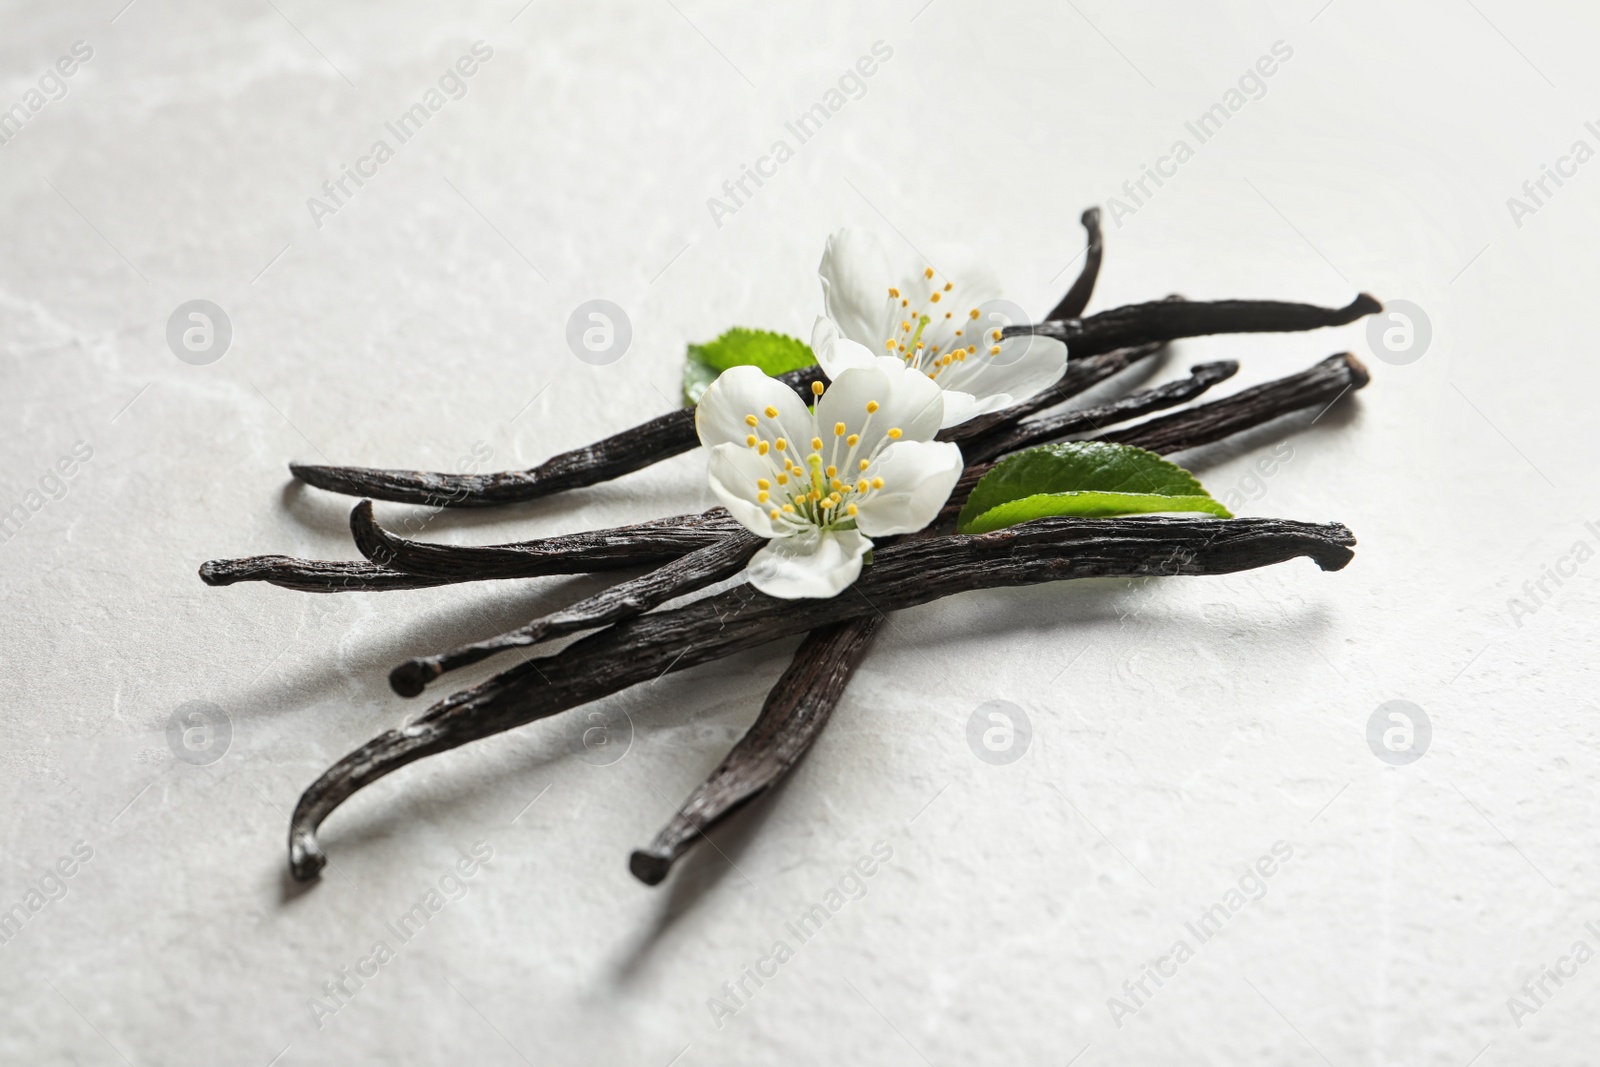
[(796, 710), (636, 545), (913, 571), (1076, 299)]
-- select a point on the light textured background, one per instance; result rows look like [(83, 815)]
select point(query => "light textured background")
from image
[(1200, 720)]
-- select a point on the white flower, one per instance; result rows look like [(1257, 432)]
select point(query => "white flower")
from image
[(821, 482), (936, 325)]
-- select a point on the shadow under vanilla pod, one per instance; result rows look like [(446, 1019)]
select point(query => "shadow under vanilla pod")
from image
[(633, 642)]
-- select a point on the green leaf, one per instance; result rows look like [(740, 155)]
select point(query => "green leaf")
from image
[(1088, 505), (1093, 478), (774, 353)]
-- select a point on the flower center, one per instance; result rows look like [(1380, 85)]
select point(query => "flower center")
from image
[(824, 487), (931, 339)]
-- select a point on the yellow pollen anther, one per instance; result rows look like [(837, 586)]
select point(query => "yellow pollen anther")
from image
[(904, 302), (762, 483), (853, 440), (934, 297), (872, 406), (750, 420), (894, 433), (761, 498), (816, 444), (906, 326), (890, 344), (850, 509), (775, 513), (972, 314), (838, 429), (750, 440), (877, 483), (772, 412), (997, 335), (780, 444), (947, 314), (783, 479), (893, 292), (994, 350), (761, 449), (861, 486), (972, 350), (865, 464), (831, 471), (927, 272), (816, 388), (789, 508), (949, 286)]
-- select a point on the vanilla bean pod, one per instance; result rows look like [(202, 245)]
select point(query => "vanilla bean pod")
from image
[(1169, 320), (1202, 376), (633, 449), (700, 568), (315, 575), (1320, 385), (1077, 298), (796, 709), (913, 571)]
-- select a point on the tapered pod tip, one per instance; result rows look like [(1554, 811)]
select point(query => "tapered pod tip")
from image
[(212, 572), (412, 677), (1365, 304), (1359, 374), (649, 867), (306, 858)]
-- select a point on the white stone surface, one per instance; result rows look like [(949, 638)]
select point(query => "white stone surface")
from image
[(1181, 728)]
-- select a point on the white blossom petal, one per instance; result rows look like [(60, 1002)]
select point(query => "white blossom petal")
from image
[(1024, 366), (855, 275), (815, 564), (739, 392), (732, 471), (918, 477), (835, 352)]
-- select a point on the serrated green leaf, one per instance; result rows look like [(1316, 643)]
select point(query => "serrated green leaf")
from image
[(1088, 505), (1111, 473), (774, 353)]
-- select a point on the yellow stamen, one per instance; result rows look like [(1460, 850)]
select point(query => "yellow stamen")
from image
[(838, 429), (816, 444), (994, 350), (877, 483), (780, 444), (816, 388), (894, 433), (927, 272), (853, 440), (761, 498), (831, 471), (850, 510), (973, 313), (872, 406), (762, 483), (934, 297), (772, 412), (750, 440), (865, 464), (861, 486), (893, 292), (761, 449), (949, 286), (750, 420)]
